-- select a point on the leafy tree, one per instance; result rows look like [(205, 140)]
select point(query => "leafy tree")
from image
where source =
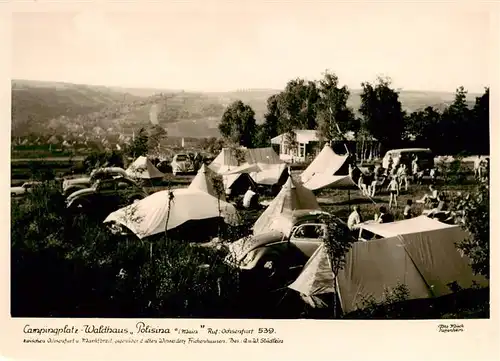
[(383, 115), (456, 123), (473, 213), (271, 125), (337, 243), (101, 159), (335, 117), (238, 124), (423, 125), (213, 145), (156, 134), (139, 146), (481, 124), (297, 105)]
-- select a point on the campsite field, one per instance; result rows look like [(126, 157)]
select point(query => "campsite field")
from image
[(183, 281), (337, 202)]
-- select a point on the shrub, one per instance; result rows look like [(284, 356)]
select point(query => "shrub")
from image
[(75, 267), (473, 214)]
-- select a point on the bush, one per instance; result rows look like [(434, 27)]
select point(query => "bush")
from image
[(453, 172), (103, 159), (74, 267), (473, 214)]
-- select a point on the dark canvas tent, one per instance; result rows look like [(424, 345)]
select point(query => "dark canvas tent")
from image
[(426, 262), (238, 183)]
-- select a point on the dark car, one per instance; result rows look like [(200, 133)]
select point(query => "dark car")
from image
[(284, 250), (106, 196), (72, 185)]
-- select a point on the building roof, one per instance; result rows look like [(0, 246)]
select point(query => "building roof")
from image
[(302, 136)]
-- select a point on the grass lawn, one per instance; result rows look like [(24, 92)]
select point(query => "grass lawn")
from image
[(340, 202), (337, 201)]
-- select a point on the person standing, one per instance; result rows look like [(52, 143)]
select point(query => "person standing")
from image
[(433, 174), (393, 189), (362, 184), (403, 176), (414, 167), (369, 178), (477, 166)]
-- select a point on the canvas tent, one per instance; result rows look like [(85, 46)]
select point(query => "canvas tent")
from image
[(237, 184), (142, 168), (232, 183), (292, 196), (262, 164), (149, 216), (328, 169), (407, 226), (225, 161), (271, 174), (426, 262), (204, 181)]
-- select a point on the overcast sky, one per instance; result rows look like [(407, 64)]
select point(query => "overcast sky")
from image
[(228, 47)]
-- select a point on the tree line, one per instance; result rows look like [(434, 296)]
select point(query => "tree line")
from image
[(322, 105)]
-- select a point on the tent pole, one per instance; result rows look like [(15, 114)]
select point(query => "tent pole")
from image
[(349, 200)]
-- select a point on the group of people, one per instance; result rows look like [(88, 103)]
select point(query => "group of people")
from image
[(436, 203), (396, 176), (383, 216)]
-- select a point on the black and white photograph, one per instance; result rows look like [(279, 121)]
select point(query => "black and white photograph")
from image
[(270, 160)]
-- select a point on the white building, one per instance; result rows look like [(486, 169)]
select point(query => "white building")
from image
[(303, 143)]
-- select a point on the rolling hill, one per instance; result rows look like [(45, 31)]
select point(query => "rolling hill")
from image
[(48, 107)]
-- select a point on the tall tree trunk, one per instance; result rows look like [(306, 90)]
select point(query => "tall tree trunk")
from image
[(362, 151)]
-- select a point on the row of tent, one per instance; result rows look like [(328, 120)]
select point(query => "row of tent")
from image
[(263, 166), (201, 200), (419, 252)]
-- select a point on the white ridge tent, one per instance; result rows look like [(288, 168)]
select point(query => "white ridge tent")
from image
[(148, 216), (142, 168), (328, 169), (292, 196), (425, 261), (262, 164)]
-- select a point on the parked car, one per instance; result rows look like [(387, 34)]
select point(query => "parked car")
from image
[(405, 156), (72, 185), (182, 163), (277, 253), (106, 196), (24, 188)]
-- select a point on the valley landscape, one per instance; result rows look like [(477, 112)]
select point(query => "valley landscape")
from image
[(72, 109)]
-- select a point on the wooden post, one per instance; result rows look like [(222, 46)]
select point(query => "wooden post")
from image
[(349, 200)]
